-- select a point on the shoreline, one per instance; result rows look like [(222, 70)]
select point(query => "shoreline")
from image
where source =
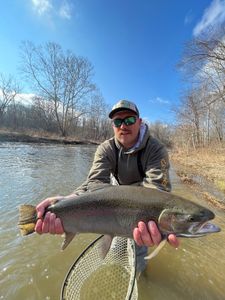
[(202, 173), (19, 137), (195, 169)]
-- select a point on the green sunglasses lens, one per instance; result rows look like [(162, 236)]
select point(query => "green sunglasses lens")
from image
[(117, 122), (127, 121)]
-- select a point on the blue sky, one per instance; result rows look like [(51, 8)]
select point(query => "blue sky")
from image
[(133, 45)]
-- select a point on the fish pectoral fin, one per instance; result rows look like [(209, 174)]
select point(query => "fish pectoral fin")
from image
[(68, 238), (157, 249), (105, 245)]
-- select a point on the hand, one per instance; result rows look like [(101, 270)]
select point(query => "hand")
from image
[(150, 235), (50, 223)]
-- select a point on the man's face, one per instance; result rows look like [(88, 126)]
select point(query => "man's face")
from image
[(127, 135)]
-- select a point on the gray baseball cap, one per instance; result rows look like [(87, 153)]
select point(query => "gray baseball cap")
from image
[(124, 105)]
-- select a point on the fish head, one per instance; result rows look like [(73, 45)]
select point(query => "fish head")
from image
[(191, 220)]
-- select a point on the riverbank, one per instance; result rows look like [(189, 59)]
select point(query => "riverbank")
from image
[(202, 168), (198, 169), (32, 137)]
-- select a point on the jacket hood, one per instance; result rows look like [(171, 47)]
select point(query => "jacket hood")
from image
[(141, 142)]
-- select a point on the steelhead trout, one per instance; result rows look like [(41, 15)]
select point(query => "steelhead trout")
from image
[(116, 211)]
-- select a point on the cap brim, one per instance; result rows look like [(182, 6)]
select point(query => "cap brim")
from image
[(112, 113)]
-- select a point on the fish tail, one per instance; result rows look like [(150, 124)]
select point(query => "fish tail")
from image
[(27, 219)]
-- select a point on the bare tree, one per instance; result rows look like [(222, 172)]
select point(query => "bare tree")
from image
[(191, 112), (97, 125), (161, 131), (62, 79), (203, 63), (218, 121), (44, 114), (8, 91), (203, 107)]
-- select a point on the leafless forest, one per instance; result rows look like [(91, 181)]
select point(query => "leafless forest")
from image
[(66, 101)]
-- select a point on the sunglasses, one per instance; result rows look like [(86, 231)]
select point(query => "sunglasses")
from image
[(128, 121)]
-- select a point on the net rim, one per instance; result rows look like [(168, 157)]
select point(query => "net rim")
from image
[(66, 279), (65, 282)]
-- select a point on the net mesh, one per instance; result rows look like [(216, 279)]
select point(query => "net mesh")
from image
[(113, 277)]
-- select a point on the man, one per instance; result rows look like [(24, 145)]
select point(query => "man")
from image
[(132, 156)]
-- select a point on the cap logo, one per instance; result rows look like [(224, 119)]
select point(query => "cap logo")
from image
[(125, 104)]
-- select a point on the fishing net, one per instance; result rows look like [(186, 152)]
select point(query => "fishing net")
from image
[(93, 277)]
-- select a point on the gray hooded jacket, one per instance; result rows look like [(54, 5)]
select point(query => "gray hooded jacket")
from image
[(111, 157)]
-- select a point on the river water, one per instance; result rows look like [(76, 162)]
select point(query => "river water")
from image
[(33, 267)]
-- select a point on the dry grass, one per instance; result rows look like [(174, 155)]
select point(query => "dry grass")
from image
[(206, 162), (202, 163), (212, 200)]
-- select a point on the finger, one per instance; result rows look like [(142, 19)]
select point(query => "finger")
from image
[(173, 241), (38, 226), (137, 237), (155, 233), (40, 208), (58, 226), (145, 235), (45, 224), (52, 223)]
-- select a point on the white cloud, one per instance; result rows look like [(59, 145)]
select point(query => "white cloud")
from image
[(159, 100), (25, 99), (42, 7), (65, 10), (213, 16), (50, 9)]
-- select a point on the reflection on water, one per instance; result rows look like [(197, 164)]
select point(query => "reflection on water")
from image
[(34, 267)]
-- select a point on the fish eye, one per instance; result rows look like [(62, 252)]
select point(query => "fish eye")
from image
[(191, 219)]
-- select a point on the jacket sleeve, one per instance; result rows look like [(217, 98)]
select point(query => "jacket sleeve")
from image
[(157, 167), (99, 173)]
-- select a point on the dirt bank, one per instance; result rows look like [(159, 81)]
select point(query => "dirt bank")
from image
[(6, 136), (202, 168)]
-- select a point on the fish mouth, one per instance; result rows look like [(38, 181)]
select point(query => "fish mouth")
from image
[(208, 228), (200, 230)]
